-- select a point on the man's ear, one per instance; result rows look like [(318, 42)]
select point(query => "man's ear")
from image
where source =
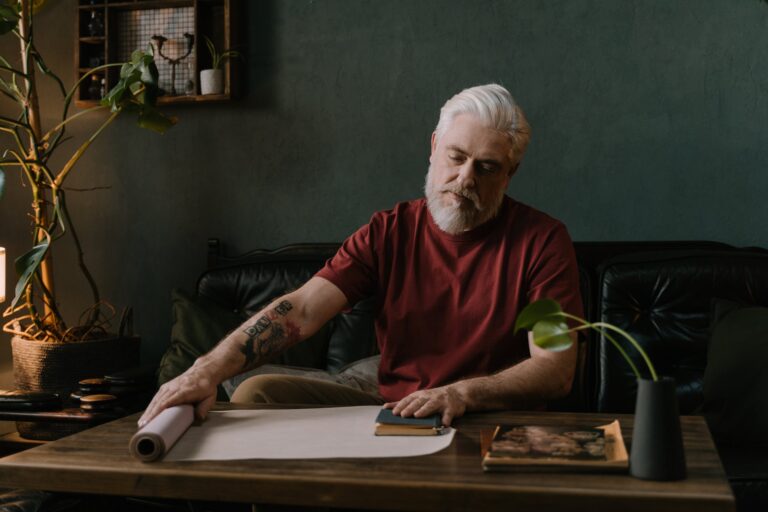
[(433, 145)]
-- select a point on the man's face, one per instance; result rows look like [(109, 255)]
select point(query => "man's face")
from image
[(469, 171)]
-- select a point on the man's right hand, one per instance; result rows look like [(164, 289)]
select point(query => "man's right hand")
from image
[(195, 386)]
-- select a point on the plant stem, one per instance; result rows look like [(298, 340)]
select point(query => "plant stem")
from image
[(33, 118), (586, 325), (75, 157), (634, 342), (70, 118), (627, 336), (94, 315)]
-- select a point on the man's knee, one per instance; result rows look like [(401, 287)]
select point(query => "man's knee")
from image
[(262, 389)]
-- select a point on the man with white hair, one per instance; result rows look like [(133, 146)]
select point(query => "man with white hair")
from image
[(449, 273)]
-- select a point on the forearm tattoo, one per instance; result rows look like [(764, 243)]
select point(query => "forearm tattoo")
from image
[(269, 334)]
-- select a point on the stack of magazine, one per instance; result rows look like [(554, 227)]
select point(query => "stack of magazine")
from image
[(557, 448)]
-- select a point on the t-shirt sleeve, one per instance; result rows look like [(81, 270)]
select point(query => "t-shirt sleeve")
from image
[(353, 267), (554, 272)]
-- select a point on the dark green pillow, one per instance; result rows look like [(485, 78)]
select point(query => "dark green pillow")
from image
[(735, 379), (198, 324)]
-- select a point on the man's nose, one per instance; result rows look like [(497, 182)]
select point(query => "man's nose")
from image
[(467, 175)]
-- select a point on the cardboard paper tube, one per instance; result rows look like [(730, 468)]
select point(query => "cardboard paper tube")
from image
[(159, 435)]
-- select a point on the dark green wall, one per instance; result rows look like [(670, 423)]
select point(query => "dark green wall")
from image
[(650, 121)]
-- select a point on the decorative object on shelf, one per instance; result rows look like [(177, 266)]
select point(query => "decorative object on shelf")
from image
[(212, 80), (35, 316), (657, 443), (129, 25), (96, 25), (94, 89), (190, 87), (159, 42)]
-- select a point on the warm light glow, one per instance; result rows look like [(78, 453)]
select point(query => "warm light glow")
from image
[(2, 274)]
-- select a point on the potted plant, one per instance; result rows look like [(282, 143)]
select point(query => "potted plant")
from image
[(40, 333), (657, 445), (212, 80)]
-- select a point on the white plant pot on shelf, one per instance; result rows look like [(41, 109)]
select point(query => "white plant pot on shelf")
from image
[(211, 81)]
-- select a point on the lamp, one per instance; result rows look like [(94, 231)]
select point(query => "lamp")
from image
[(2, 274)]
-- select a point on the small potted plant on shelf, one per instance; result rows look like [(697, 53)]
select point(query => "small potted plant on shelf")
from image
[(50, 353), (657, 444), (212, 80)]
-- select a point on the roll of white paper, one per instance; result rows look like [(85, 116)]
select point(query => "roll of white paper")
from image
[(159, 435)]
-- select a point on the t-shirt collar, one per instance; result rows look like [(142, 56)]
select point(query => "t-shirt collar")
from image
[(473, 234)]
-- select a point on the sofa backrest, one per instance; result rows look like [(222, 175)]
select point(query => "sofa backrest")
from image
[(248, 283), (661, 292), (665, 301)]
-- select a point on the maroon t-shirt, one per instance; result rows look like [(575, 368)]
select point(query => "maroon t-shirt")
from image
[(447, 303)]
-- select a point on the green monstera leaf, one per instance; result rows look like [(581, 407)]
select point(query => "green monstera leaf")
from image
[(9, 18), (26, 265), (545, 319), (552, 335), (537, 311), (137, 91)]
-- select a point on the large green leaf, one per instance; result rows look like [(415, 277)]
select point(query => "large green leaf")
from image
[(9, 18), (137, 91), (536, 311), (552, 335), (26, 265), (2, 182)]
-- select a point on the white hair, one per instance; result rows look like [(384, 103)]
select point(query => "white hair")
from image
[(494, 107)]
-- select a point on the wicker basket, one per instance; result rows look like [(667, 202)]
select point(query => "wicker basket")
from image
[(57, 368)]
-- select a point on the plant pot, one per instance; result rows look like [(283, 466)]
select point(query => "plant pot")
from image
[(57, 368), (211, 81), (657, 442)]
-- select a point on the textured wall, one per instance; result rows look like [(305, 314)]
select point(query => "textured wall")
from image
[(649, 122)]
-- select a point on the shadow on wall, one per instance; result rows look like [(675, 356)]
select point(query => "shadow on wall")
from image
[(255, 30)]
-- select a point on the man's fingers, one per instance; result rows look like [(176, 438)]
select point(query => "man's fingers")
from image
[(413, 405), (429, 407), (201, 409)]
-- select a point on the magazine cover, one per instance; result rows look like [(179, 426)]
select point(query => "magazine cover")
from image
[(557, 447)]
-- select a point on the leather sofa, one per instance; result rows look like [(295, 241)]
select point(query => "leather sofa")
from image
[(661, 292)]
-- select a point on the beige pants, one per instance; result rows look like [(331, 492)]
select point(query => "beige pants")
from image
[(355, 385)]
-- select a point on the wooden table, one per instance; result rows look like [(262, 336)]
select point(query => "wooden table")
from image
[(97, 461)]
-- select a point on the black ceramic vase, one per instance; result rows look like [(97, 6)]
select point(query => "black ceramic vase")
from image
[(657, 441)]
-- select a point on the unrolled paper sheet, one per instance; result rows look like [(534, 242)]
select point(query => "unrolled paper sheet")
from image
[(159, 435), (336, 432)]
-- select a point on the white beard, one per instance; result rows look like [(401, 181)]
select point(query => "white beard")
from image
[(455, 219)]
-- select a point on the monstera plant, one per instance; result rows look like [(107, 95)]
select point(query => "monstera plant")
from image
[(547, 321), (29, 151), (657, 442)]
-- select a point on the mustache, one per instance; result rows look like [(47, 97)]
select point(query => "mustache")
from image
[(463, 192)]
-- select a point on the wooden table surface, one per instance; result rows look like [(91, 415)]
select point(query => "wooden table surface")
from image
[(97, 461)]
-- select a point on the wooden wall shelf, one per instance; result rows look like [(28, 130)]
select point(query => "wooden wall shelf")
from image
[(108, 31)]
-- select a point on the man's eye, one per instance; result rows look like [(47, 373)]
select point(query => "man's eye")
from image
[(456, 158), (488, 169)]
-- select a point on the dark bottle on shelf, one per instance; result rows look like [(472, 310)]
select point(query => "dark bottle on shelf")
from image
[(94, 89), (96, 25)]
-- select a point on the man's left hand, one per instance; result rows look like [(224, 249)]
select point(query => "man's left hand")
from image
[(446, 400)]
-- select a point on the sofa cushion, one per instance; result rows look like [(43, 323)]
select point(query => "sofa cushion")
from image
[(352, 336), (248, 284), (736, 379), (664, 301), (200, 322)]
